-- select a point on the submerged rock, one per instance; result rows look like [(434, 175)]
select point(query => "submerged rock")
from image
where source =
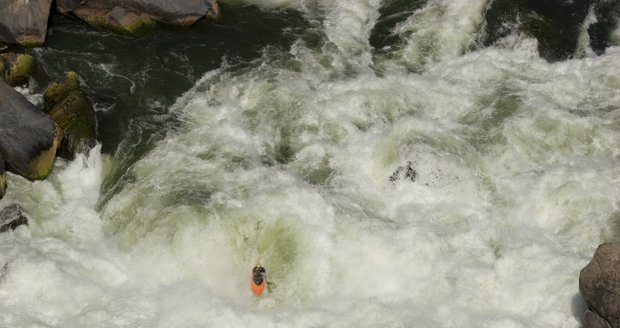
[(556, 24), (24, 22), (393, 12), (601, 32), (599, 284), (3, 271), (134, 16), (16, 68), (406, 172), (74, 113), (29, 138), (12, 217)]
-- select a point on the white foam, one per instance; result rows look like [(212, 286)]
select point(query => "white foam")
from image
[(348, 26), (516, 183), (583, 42), (438, 31)]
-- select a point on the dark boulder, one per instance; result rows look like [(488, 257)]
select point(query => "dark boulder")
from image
[(12, 217), (24, 22), (134, 16), (599, 284), (29, 138), (74, 113)]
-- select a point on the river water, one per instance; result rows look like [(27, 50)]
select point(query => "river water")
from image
[(433, 182)]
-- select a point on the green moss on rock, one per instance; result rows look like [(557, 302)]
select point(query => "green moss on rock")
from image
[(142, 26), (76, 116), (59, 90), (30, 42), (136, 25), (2, 179), (17, 68), (42, 165)]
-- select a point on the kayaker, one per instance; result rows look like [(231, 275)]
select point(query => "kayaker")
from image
[(259, 280)]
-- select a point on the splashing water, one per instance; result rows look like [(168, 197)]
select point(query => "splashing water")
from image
[(468, 194)]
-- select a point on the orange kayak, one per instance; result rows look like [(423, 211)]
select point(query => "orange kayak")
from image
[(258, 289), (258, 280)]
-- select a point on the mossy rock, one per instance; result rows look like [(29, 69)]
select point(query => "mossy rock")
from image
[(73, 112), (17, 68), (131, 22), (141, 26), (29, 138), (122, 21), (2, 179), (76, 116), (57, 91), (30, 42), (42, 165)]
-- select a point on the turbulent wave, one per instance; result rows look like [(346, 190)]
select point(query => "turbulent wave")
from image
[(429, 183)]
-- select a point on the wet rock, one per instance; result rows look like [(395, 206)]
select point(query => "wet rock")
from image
[(29, 138), (3, 271), (12, 217), (74, 114), (599, 284), (135, 16), (58, 90), (2, 178), (17, 68), (24, 22), (593, 320), (406, 172)]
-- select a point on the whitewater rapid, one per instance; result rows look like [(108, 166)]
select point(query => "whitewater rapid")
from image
[(452, 188)]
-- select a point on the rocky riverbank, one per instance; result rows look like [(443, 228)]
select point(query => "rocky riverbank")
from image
[(25, 22), (31, 137)]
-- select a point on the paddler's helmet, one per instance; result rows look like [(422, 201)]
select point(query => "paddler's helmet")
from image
[(258, 274), (258, 270)]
